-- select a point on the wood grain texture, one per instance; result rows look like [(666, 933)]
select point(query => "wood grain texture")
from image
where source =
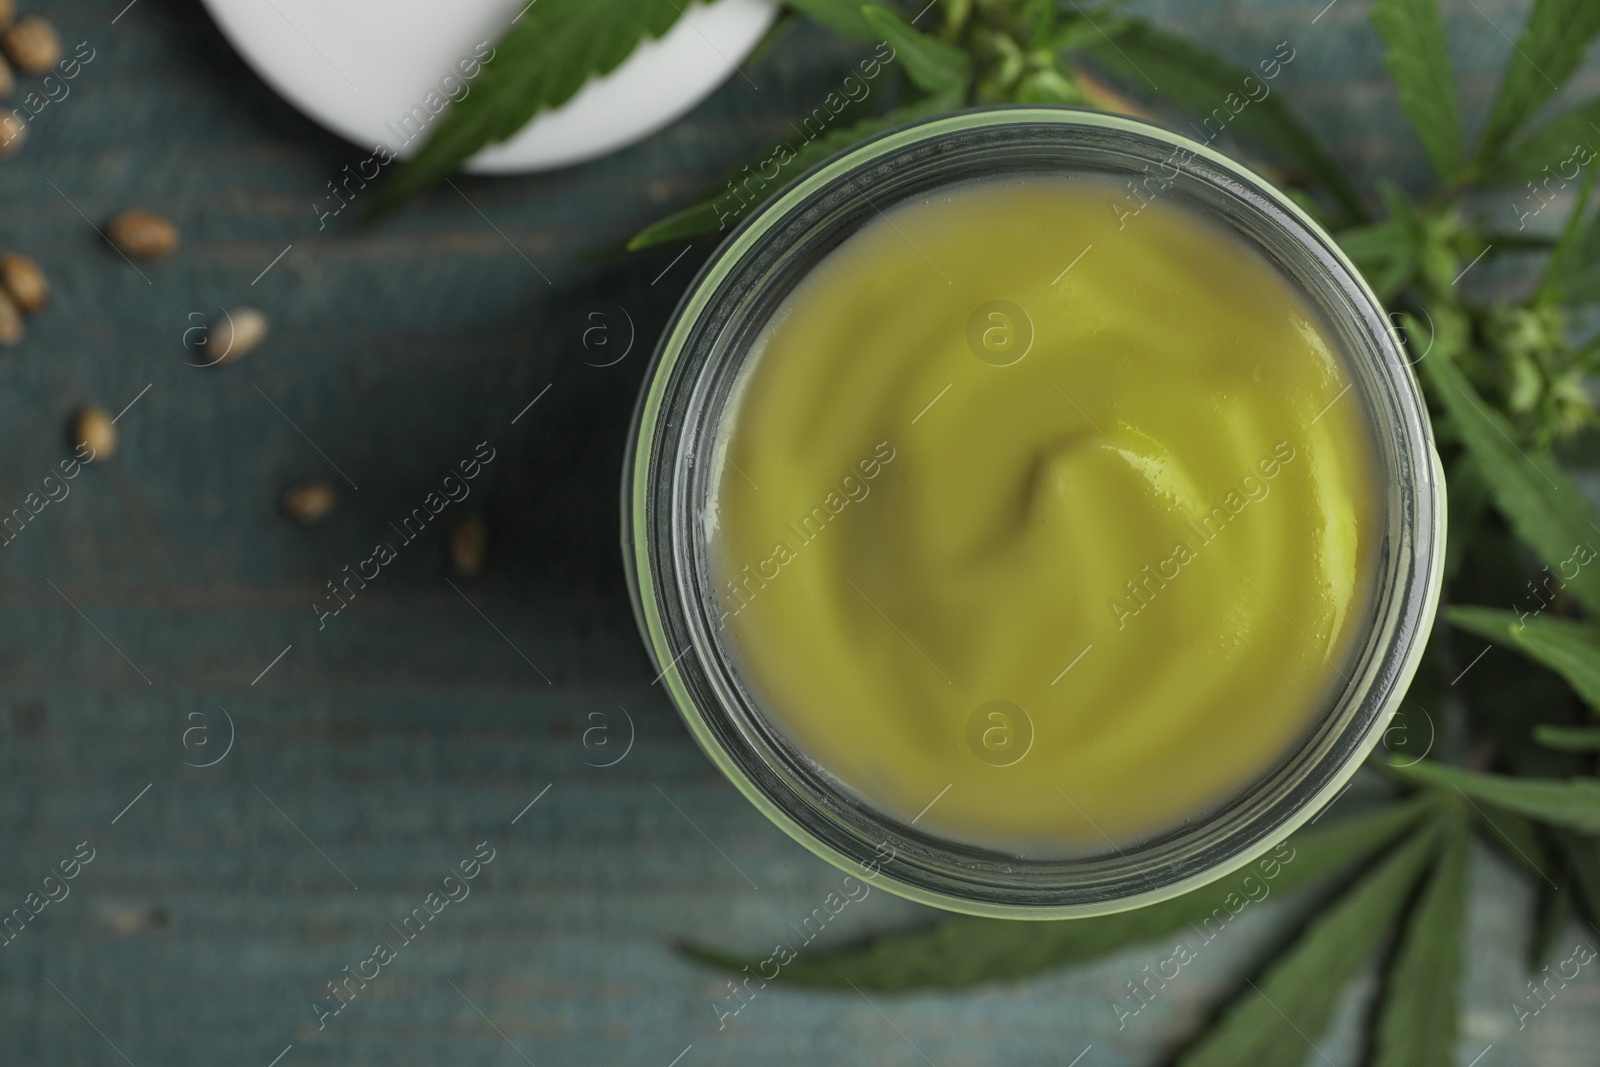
[(381, 749)]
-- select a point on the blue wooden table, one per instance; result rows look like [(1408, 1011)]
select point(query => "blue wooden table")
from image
[(165, 611)]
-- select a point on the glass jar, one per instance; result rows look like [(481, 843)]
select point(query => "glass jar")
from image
[(669, 483)]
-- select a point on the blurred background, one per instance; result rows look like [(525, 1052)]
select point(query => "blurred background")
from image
[(266, 790)]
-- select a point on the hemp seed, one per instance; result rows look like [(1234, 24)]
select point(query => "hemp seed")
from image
[(309, 502), (11, 328), (469, 546), (232, 337), (33, 44), (92, 429), (13, 131), (24, 283), (142, 235)]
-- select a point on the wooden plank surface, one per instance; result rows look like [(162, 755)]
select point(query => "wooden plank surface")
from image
[(380, 749)]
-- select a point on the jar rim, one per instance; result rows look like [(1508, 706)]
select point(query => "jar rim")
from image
[(661, 582)]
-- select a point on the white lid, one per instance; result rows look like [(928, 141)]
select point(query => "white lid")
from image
[(359, 67)]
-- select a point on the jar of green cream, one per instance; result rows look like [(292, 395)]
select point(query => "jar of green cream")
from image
[(1037, 507)]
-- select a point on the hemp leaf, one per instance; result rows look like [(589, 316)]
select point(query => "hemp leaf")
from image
[(1553, 43), (1275, 1021), (1519, 840), (1417, 1027), (1000, 51), (1573, 274), (1582, 864), (1225, 96), (932, 65), (550, 51), (1418, 62), (1535, 153), (1386, 252), (1571, 649), (1568, 738), (1574, 803), (960, 951), (1541, 502)]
